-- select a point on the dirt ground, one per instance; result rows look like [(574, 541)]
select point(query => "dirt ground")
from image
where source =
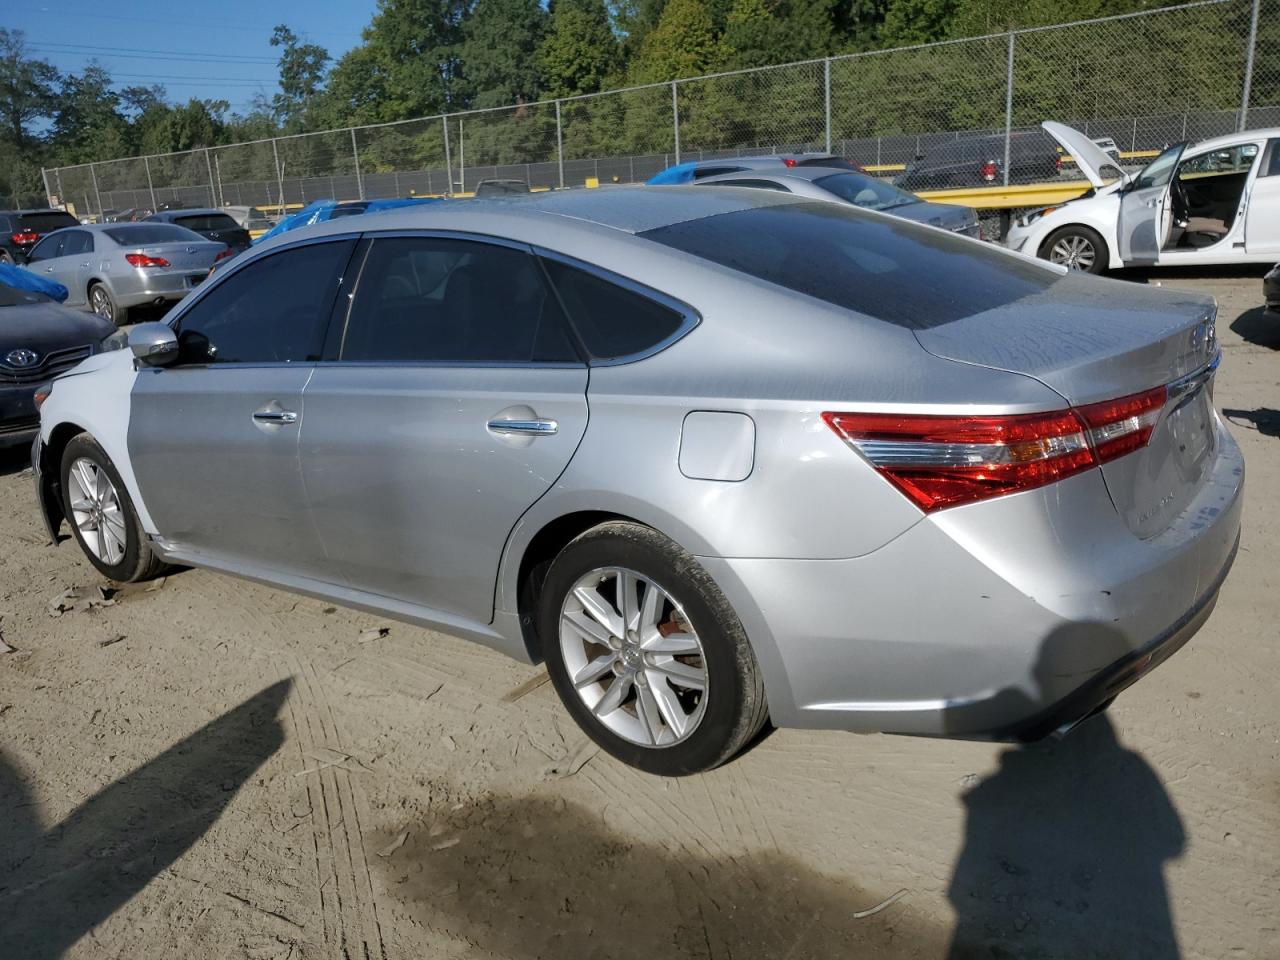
[(202, 767)]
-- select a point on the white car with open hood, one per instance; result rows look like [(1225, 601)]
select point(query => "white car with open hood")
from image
[(1217, 201)]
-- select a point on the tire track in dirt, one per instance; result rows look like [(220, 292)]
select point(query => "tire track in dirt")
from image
[(348, 903)]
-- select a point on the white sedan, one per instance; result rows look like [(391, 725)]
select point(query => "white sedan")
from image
[(1217, 201)]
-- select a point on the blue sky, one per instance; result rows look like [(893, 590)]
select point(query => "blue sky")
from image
[(216, 50)]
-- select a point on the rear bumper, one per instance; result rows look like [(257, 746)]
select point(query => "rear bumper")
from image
[(1003, 619), (134, 291)]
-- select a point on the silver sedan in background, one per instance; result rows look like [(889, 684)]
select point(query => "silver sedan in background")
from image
[(845, 186), (714, 455), (111, 267)]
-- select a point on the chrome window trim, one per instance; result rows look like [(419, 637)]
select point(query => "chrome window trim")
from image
[(689, 317)]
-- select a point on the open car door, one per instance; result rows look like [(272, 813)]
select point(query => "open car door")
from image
[(1146, 209)]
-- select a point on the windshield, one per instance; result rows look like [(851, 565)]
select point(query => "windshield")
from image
[(1159, 171), (13, 297), (866, 191)]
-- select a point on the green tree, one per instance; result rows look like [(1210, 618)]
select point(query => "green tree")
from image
[(908, 22), (28, 89), (499, 52), (683, 44), (88, 124), (302, 70), (580, 52), (197, 123)]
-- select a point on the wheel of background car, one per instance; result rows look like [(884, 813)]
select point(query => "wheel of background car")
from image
[(5, 258), (646, 653), (103, 521), (102, 303), (1076, 247)]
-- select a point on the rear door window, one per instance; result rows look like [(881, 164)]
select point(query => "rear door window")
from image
[(77, 241), (613, 320), (273, 310), (440, 300)]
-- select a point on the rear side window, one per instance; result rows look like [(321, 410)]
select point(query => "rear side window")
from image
[(759, 184), (440, 300), (613, 321), (883, 267), (210, 222), (45, 222), (701, 172), (140, 234), (274, 310), (77, 241)]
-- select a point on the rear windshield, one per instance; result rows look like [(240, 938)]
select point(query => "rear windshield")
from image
[(44, 222), (137, 234), (207, 221), (839, 162), (880, 266), (13, 297)]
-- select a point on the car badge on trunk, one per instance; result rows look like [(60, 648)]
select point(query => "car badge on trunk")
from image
[(22, 358)]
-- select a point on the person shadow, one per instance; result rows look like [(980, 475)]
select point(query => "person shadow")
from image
[(60, 882), (1065, 846)]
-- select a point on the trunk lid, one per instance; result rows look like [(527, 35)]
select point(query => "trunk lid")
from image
[(1092, 340), (195, 255)]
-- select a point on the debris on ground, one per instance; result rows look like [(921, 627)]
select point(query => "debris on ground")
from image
[(394, 845), (82, 599), (110, 640), (377, 633)]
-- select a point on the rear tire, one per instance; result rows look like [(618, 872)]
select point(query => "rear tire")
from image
[(6, 258), (675, 689), (1076, 247), (103, 304), (101, 515)]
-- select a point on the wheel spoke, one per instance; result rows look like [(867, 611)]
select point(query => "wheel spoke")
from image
[(672, 713), (628, 600), (87, 480), (599, 611), (614, 696), (681, 674), (590, 629), (675, 643), (593, 671), (650, 713), (650, 610), (81, 505), (101, 532)]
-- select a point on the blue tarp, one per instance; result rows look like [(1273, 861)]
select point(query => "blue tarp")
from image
[(680, 173), (21, 279), (322, 210)]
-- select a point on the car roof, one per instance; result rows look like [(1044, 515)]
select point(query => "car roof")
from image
[(187, 212), (1231, 139), (23, 213), (628, 209)]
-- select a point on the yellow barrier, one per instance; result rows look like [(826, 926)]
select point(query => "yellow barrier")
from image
[(1066, 158), (1006, 198)]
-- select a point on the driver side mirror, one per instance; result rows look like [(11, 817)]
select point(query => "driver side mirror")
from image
[(154, 344)]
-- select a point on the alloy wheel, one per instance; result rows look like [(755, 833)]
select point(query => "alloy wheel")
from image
[(633, 657), (1073, 251), (101, 303), (95, 509)]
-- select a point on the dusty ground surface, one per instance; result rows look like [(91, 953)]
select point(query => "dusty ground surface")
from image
[(209, 768)]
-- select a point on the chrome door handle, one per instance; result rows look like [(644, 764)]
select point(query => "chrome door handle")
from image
[(275, 416), (525, 428)]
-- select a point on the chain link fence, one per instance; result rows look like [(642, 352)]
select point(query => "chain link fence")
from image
[(959, 113)]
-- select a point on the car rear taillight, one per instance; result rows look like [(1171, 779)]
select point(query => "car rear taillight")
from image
[(223, 255), (944, 461), (1057, 161), (24, 237), (142, 260), (988, 170), (788, 162)]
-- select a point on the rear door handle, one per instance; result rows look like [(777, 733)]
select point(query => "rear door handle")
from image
[(275, 416), (525, 428)]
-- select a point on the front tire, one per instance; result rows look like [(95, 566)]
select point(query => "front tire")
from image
[(101, 515), (1077, 248), (646, 653), (103, 304)]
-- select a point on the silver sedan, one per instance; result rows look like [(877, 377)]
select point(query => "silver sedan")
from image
[(111, 267), (714, 455)]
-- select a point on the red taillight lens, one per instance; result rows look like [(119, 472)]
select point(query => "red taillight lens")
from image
[(142, 260), (228, 252), (789, 162), (1117, 427), (1057, 161), (989, 170), (944, 461), (24, 237)]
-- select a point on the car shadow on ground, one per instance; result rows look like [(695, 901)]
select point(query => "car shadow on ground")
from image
[(1212, 271), (14, 459), (1258, 327), (57, 882)]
